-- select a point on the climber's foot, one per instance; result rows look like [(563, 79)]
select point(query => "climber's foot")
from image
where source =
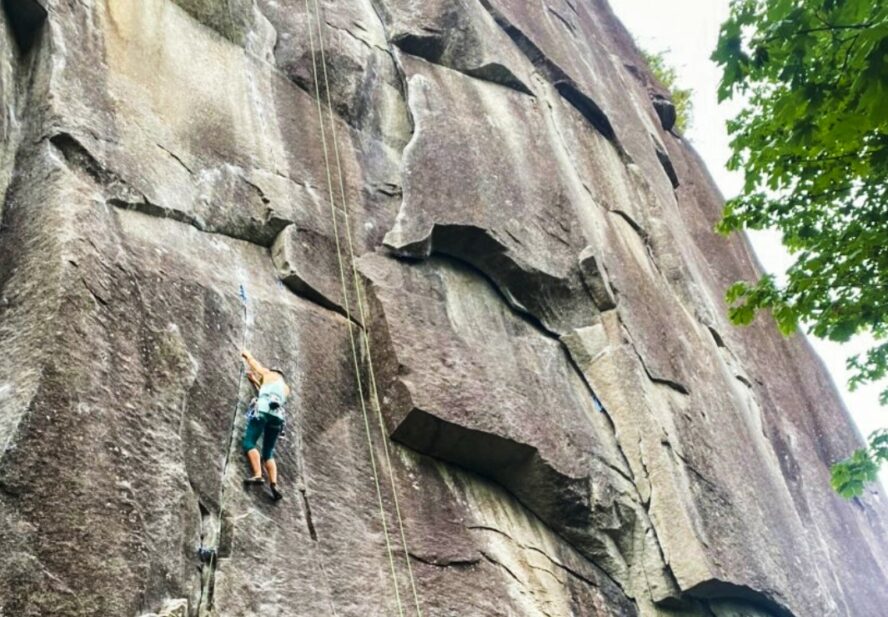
[(253, 481), (276, 494)]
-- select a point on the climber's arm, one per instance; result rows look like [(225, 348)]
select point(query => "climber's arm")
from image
[(256, 370), (254, 379)]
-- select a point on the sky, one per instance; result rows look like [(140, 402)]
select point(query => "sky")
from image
[(687, 31)]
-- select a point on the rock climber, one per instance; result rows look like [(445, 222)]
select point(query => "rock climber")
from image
[(266, 420)]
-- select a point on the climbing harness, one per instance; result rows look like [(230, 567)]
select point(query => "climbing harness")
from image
[(374, 395)]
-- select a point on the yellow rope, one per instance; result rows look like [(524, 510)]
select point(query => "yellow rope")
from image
[(346, 300), (364, 321)]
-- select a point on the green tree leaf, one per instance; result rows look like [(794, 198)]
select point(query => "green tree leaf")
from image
[(681, 97), (812, 143)]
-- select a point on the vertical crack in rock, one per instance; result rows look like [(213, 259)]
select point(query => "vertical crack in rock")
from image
[(645, 238), (657, 379), (566, 86), (512, 463), (666, 162), (221, 535), (379, 10), (120, 213), (564, 20), (179, 160), (207, 556), (719, 341), (315, 541), (645, 504), (589, 109), (309, 522)]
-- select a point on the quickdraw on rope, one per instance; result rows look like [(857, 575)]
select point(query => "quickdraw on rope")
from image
[(361, 312)]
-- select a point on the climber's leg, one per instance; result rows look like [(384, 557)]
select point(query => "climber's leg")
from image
[(271, 467), (255, 427), (255, 468), (272, 470), (269, 439)]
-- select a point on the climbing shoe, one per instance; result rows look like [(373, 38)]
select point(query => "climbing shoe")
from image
[(276, 495), (253, 481)]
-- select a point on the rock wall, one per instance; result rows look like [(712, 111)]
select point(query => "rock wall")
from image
[(547, 390)]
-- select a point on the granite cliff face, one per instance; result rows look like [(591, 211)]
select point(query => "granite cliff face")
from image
[(568, 423)]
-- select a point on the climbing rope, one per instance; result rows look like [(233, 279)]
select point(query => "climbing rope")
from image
[(346, 303), (242, 294), (363, 313), (210, 555)]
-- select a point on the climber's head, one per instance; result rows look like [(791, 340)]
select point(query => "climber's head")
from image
[(278, 372)]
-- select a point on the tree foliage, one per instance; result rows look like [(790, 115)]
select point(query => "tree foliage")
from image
[(812, 142), (850, 476), (681, 97)]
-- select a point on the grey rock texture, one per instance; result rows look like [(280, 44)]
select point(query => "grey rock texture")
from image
[(501, 311)]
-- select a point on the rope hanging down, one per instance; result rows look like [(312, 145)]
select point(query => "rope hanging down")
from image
[(348, 311), (362, 314)]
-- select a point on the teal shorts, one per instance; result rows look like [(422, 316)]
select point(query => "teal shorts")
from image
[(267, 427)]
